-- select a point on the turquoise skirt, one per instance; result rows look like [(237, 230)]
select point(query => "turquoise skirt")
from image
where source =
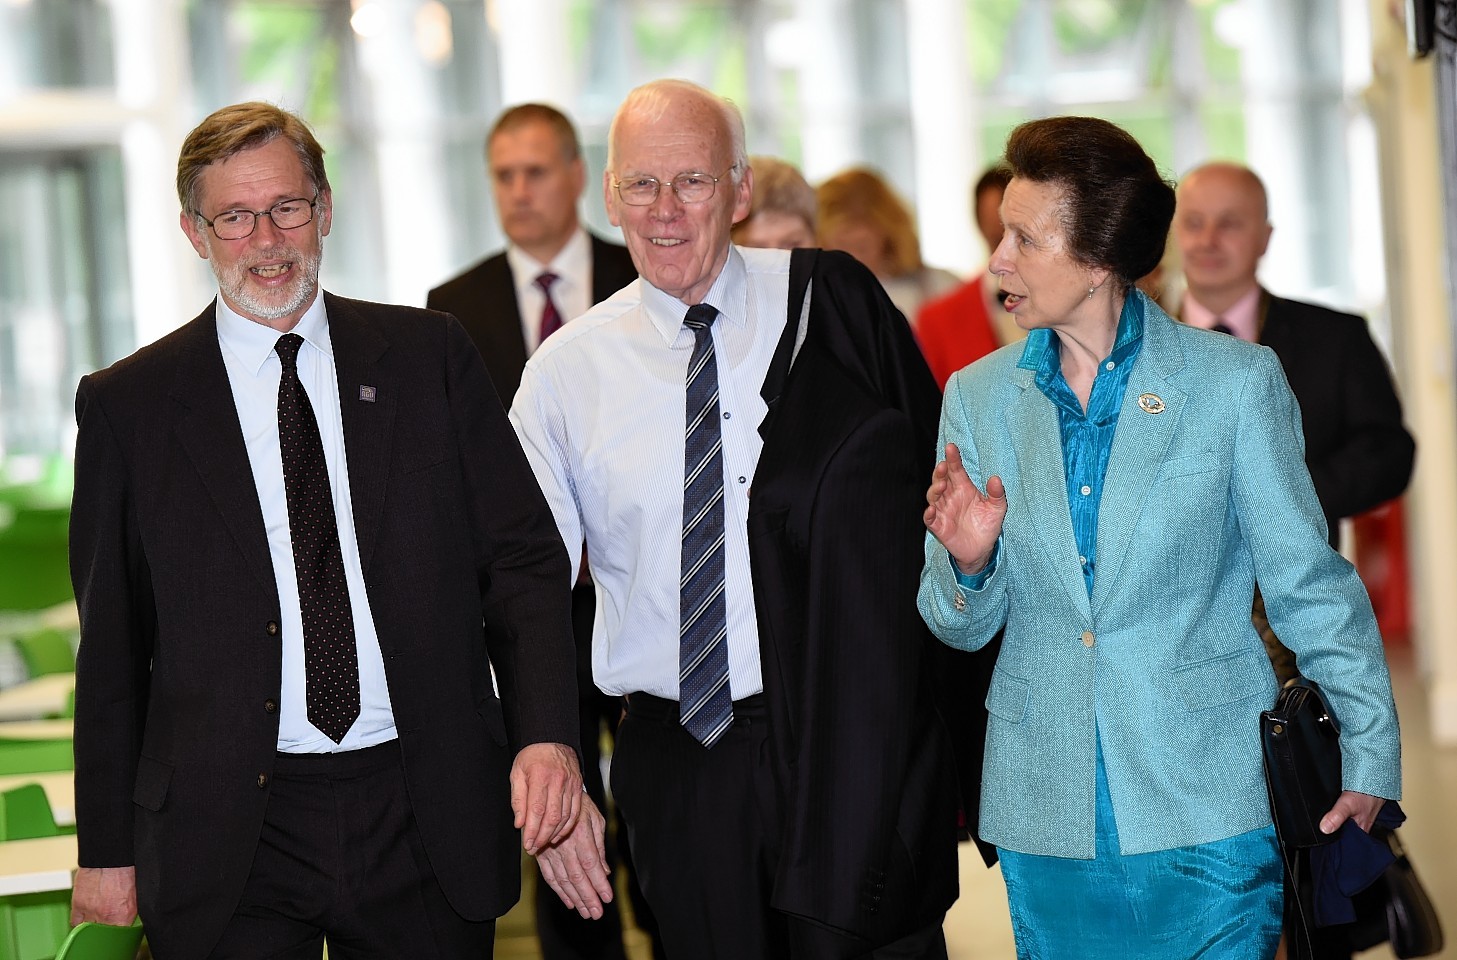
[(1214, 901)]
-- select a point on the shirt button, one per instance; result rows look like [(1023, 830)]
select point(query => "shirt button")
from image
[(270, 706), (272, 628), (727, 415), (1086, 490), (1082, 560), (1108, 365), (262, 780), (743, 480), (1088, 640)]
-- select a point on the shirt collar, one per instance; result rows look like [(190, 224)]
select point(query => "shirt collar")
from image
[(1041, 352), (729, 295), (253, 342), (1242, 318), (570, 261)]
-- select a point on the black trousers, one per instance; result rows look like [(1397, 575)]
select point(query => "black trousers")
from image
[(704, 830), (340, 858)]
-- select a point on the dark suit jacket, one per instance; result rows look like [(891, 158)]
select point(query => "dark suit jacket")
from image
[(483, 299), (835, 544), (1358, 452), (178, 673)]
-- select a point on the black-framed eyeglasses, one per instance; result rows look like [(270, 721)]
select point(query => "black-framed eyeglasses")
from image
[(689, 187), (285, 214)]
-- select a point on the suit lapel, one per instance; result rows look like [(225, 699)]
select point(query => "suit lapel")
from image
[(212, 437), (1140, 445), (1044, 484), (368, 423)]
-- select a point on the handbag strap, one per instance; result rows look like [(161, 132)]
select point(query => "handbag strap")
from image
[(1301, 945)]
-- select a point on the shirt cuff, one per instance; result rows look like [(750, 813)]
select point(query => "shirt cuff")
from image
[(976, 580)]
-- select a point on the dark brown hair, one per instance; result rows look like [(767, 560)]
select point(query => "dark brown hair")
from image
[(1116, 209), (528, 113), (240, 127)]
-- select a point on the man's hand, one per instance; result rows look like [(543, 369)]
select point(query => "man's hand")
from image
[(1350, 805), (546, 793), (576, 865), (105, 895), (965, 520)]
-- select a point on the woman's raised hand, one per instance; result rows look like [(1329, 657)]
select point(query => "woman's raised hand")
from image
[(965, 520)]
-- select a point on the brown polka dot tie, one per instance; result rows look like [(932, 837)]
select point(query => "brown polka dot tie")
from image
[(331, 661)]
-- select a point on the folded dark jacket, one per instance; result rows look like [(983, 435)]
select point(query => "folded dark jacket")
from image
[(1342, 869)]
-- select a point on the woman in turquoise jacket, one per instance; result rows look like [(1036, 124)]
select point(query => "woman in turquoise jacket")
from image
[(1111, 490)]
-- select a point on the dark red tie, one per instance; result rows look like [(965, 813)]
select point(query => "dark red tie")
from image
[(551, 318), (331, 658)]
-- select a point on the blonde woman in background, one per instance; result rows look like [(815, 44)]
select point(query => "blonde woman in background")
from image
[(861, 215), (782, 212)]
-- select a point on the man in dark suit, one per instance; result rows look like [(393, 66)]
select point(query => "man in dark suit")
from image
[(537, 175), (1358, 452), (305, 564), (785, 779)]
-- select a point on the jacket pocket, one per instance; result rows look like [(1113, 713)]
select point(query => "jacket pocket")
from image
[(153, 779), (1007, 696), (1188, 466), (495, 720), (1223, 679)]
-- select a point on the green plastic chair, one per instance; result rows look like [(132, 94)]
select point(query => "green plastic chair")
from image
[(34, 570), (32, 925), (25, 814), (97, 941), (45, 651)]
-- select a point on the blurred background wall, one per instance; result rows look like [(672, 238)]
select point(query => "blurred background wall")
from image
[(1321, 97)]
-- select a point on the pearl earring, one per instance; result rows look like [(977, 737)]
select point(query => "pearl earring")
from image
[(1091, 289)]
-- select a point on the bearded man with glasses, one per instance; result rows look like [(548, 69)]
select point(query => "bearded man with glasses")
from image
[(303, 538), (784, 777)]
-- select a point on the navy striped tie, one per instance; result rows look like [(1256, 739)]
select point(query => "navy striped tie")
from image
[(705, 703)]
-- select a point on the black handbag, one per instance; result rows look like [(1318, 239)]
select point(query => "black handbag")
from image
[(1302, 748), (1396, 908), (1301, 742)]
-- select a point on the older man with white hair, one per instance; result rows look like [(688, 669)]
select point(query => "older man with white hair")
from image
[(785, 780)]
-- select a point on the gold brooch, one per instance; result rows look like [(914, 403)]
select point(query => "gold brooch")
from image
[(1150, 403)]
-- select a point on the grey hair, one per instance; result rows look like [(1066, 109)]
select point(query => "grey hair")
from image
[(652, 100)]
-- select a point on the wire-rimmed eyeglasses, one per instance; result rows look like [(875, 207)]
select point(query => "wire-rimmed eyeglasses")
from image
[(285, 214), (689, 188)]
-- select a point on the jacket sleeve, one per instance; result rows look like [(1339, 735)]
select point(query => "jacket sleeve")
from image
[(1314, 599), (118, 627), (1372, 463), (520, 562)]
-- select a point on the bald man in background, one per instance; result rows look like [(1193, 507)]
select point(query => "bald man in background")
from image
[(1358, 451)]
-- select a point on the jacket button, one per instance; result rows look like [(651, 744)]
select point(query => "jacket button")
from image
[(262, 780), (270, 706), (1088, 640), (272, 628)]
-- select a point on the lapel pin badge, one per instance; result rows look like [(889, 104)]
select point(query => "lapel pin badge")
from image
[(367, 393), (1150, 403)]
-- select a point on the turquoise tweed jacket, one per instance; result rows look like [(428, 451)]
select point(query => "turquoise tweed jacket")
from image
[(1206, 493)]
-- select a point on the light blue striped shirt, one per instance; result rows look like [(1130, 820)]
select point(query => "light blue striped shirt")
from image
[(600, 413), (253, 373)]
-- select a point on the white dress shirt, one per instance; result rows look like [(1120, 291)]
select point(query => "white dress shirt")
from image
[(572, 291), (253, 372), (601, 414)]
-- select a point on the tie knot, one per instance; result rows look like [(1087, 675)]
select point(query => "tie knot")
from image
[(545, 279), (700, 317), (287, 349)]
